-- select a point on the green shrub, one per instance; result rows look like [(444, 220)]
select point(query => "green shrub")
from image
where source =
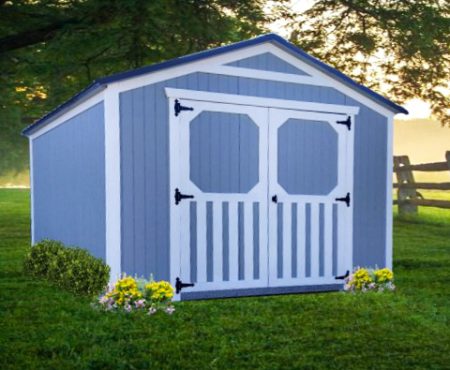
[(70, 268)]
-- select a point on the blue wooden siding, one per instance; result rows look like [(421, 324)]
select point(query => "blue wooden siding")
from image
[(224, 152), (145, 167), (267, 62), (69, 182), (307, 157)]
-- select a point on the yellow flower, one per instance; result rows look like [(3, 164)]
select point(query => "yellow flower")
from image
[(384, 275), (361, 277), (159, 291)]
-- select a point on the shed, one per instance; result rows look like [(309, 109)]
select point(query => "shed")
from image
[(247, 169)]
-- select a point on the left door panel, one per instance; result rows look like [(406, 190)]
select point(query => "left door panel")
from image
[(219, 157)]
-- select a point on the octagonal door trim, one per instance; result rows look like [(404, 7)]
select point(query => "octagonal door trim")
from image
[(278, 118), (182, 124)]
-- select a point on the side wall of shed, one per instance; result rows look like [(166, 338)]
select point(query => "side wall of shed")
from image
[(69, 182), (145, 189)]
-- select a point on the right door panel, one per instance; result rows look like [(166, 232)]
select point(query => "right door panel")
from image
[(310, 165)]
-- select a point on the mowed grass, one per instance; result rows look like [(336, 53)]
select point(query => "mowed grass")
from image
[(42, 327)]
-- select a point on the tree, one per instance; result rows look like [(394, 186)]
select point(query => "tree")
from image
[(51, 49), (400, 48)]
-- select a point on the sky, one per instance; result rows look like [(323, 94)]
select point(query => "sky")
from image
[(416, 108)]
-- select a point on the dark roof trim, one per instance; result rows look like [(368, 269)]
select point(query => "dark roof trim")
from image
[(103, 82)]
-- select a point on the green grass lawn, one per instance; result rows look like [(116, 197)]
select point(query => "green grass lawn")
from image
[(42, 327)]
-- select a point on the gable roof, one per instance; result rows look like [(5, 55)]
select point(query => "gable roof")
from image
[(102, 83)]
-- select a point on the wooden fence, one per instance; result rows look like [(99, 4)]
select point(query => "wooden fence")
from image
[(408, 196)]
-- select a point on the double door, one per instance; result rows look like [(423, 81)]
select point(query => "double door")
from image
[(261, 197)]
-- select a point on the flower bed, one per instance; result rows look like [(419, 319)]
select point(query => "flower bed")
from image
[(363, 280), (132, 295)]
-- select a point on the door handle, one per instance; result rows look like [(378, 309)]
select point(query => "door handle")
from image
[(179, 196)]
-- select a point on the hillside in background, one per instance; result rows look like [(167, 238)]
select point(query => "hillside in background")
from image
[(422, 140)]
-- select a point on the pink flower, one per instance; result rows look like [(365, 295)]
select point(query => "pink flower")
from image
[(140, 303), (103, 299), (152, 310), (127, 307), (170, 310)]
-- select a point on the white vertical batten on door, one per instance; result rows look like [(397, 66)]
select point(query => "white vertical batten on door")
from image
[(248, 240), (263, 242), (201, 242), (301, 228), (314, 238), (217, 242), (287, 240), (233, 240), (328, 239), (185, 243)]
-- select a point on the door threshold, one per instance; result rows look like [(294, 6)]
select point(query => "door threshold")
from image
[(250, 292)]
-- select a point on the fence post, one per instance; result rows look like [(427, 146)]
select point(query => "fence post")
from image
[(447, 157), (405, 177)]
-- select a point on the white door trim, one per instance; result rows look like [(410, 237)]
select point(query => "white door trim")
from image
[(345, 219), (259, 101), (179, 214)]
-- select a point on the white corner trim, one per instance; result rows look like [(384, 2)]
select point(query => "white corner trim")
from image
[(266, 75), (30, 146), (70, 113), (260, 102), (389, 205), (112, 182)]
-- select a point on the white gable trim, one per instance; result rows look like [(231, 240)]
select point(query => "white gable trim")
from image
[(320, 78), (260, 102), (189, 67), (216, 63), (266, 75)]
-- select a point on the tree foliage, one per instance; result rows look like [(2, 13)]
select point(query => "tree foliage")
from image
[(50, 49), (400, 48)]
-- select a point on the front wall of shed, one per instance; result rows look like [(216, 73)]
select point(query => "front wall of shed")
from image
[(145, 167), (69, 182)]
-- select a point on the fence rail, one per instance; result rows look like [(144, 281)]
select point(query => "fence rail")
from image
[(408, 198)]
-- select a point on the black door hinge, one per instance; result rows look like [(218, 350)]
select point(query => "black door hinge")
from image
[(178, 108), (345, 199), (275, 199), (179, 197), (347, 122), (343, 277), (180, 285)]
